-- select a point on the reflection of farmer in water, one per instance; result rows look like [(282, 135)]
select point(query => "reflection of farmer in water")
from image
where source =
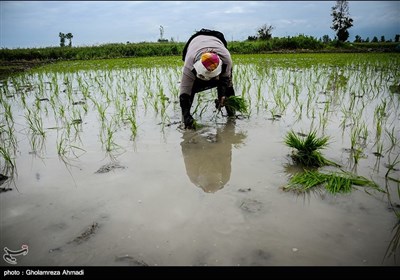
[(208, 155)]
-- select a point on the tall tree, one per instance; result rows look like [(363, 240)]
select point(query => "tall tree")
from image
[(265, 32), (326, 39), (62, 39), (69, 36), (341, 21)]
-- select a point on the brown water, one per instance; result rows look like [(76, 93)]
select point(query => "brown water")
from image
[(192, 198), (209, 197)]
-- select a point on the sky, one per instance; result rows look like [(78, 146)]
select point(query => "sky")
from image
[(35, 24)]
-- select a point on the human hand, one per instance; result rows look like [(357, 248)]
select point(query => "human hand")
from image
[(219, 103)]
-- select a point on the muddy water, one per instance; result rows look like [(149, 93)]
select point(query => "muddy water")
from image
[(172, 197), (209, 197)]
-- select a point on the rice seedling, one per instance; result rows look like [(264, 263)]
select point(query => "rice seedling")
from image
[(380, 110), (23, 100), (101, 111), (392, 166), (9, 161), (357, 154), (199, 98), (333, 182), (37, 144), (35, 123), (275, 115), (379, 150), (353, 138), (299, 112), (131, 118), (260, 98), (64, 148), (394, 244), (378, 131), (308, 149), (203, 110), (61, 146), (107, 136), (394, 141), (323, 121), (8, 114)]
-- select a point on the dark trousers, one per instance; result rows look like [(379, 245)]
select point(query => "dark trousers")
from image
[(200, 85)]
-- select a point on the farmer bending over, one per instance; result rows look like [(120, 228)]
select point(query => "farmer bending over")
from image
[(208, 64)]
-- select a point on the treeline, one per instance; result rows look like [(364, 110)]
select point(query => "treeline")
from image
[(93, 52), (120, 50)]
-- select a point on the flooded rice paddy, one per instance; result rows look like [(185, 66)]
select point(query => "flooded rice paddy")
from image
[(100, 171)]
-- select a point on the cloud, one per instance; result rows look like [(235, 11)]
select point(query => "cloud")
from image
[(235, 10), (33, 24)]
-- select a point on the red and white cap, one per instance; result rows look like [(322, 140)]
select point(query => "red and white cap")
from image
[(208, 66)]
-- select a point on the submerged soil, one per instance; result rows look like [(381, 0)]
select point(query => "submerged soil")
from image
[(8, 68)]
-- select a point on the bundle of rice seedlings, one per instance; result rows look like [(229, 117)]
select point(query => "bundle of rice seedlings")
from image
[(236, 103), (307, 149), (334, 182)]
